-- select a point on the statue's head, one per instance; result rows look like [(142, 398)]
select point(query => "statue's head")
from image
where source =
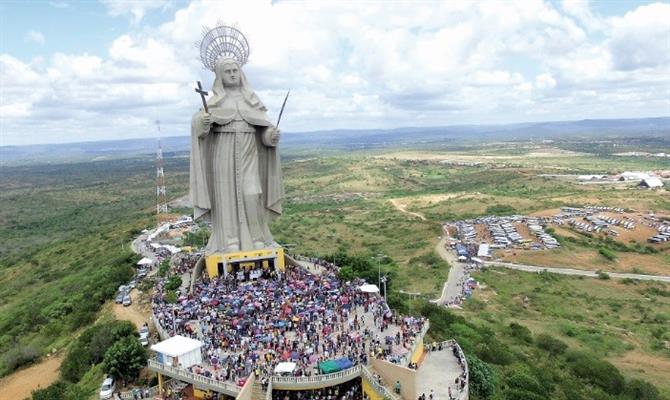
[(230, 72)]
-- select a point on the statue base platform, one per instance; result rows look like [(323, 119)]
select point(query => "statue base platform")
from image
[(222, 264)]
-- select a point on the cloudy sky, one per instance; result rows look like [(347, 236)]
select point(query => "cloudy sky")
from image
[(85, 71)]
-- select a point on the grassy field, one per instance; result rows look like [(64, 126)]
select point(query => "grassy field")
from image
[(623, 321), (66, 230)]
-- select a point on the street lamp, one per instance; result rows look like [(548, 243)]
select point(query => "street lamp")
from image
[(383, 280), (379, 257)]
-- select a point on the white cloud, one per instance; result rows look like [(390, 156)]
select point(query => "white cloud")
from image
[(355, 65), (34, 37), (135, 9), (641, 38), (59, 4)]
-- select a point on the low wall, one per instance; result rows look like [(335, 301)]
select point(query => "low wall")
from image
[(393, 372), (247, 390)]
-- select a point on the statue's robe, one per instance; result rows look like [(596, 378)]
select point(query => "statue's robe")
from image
[(235, 175)]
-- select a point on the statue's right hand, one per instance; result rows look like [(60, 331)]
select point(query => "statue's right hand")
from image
[(207, 119)]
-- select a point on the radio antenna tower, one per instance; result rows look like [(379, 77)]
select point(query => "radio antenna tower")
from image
[(161, 198)]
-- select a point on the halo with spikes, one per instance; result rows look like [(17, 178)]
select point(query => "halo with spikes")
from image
[(222, 41)]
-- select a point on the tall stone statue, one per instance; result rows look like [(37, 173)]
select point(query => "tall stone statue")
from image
[(235, 175)]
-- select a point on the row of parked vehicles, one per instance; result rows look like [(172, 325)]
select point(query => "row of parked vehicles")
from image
[(662, 236)]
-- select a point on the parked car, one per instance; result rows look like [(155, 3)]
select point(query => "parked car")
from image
[(123, 289), (144, 339), (107, 388), (119, 298), (127, 300), (132, 284)]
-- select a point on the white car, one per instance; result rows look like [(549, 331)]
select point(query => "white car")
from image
[(107, 388)]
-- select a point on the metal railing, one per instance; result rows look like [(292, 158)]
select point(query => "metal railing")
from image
[(146, 394), (379, 388), (351, 372), (180, 373)]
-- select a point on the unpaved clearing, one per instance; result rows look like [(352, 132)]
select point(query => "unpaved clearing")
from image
[(134, 313), (18, 385), (645, 366)]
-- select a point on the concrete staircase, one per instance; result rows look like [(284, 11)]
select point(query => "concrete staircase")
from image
[(257, 392)]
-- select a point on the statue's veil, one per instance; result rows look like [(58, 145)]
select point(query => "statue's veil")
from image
[(219, 91)]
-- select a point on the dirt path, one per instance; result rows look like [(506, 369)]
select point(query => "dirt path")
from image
[(402, 208), (18, 385)]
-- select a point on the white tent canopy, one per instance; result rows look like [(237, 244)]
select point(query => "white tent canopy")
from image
[(176, 346), (369, 288), (285, 368), (179, 351), (145, 261)]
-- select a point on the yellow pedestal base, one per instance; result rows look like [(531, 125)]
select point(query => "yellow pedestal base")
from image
[(223, 263)]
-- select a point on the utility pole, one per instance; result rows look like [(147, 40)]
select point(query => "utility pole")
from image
[(161, 195)]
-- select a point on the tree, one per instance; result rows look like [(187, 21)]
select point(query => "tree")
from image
[(124, 359)]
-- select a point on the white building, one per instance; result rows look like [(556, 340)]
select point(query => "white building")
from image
[(484, 250), (633, 176), (651, 183)]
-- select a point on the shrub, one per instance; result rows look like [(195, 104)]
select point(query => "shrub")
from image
[(607, 253), (523, 381), (597, 372), (171, 297), (641, 390), (603, 275), (173, 283), (55, 391), (164, 267), (520, 332), (19, 356), (482, 379), (550, 344), (500, 209)]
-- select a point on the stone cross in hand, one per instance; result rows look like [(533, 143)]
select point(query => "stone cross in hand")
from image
[(202, 96)]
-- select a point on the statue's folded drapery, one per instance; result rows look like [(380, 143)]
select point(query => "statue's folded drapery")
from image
[(235, 175)]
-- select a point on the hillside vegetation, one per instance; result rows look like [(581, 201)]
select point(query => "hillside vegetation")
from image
[(67, 227)]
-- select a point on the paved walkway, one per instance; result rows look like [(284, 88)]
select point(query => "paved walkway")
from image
[(578, 272), (438, 371), (453, 286)]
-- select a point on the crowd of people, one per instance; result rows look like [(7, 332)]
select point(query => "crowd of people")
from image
[(250, 325), (351, 390)]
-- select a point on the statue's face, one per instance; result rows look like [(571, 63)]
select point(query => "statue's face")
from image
[(231, 75)]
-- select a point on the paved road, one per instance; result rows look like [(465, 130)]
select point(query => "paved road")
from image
[(451, 288), (579, 272)]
